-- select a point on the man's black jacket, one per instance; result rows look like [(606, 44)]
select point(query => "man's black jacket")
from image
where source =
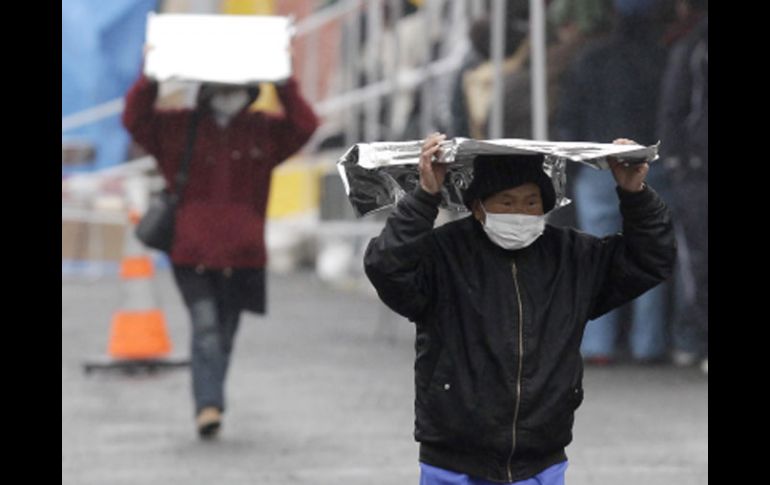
[(498, 371)]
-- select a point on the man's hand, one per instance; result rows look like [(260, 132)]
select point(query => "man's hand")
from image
[(432, 174), (628, 177)]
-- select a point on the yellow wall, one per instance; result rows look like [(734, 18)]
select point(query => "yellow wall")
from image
[(253, 7), (295, 188)]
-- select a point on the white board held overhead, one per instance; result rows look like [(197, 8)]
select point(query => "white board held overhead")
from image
[(229, 49)]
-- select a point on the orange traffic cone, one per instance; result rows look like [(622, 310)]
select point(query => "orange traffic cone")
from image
[(138, 335)]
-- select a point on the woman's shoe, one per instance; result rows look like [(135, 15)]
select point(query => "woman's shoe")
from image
[(208, 422)]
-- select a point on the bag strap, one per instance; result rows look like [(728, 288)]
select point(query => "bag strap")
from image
[(181, 176)]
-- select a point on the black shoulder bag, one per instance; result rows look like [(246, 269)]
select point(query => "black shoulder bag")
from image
[(156, 228)]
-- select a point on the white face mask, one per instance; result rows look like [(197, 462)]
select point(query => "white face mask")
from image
[(229, 104), (513, 231)]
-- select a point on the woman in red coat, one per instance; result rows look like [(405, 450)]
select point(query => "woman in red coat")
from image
[(219, 252)]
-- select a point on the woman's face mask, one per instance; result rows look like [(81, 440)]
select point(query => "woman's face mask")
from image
[(513, 231), (229, 103)]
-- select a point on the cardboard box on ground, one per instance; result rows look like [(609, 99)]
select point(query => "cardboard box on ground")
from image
[(84, 241)]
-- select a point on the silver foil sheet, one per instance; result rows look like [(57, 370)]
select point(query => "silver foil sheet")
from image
[(377, 175)]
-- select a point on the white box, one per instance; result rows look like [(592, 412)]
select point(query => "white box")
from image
[(230, 49)]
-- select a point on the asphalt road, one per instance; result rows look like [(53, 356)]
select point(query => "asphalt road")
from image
[(320, 391)]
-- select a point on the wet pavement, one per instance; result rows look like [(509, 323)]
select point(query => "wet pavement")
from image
[(320, 392)]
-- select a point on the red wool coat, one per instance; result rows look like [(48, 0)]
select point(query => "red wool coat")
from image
[(221, 221)]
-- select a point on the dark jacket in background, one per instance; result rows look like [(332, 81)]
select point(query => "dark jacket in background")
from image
[(498, 371), (684, 150), (221, 221), (684, 105), (612, 88)]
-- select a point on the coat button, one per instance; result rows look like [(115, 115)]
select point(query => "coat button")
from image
[(200, 269), (228, 272), (446, 387), (236, 155)]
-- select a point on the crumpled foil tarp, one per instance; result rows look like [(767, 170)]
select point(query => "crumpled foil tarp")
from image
[(377, 175)]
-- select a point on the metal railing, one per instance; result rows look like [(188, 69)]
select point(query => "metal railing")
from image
[(351, 99)]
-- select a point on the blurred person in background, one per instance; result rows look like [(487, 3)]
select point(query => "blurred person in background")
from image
[(478, 83), (471, 95), (517, 92), (612, 89), (573, 25), (500, 300), (683, 121), (219, 254), (459, 112), (683, 17), (384, 55)]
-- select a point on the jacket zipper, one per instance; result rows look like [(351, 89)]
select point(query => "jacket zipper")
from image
[(518, 372)]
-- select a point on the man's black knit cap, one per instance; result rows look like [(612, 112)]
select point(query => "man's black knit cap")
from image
[(494, 173)]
